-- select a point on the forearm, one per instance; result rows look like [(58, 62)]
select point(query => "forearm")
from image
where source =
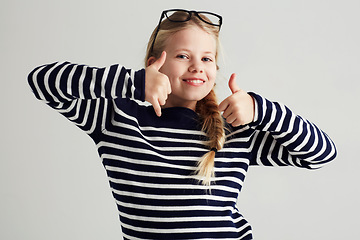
[(63, 82), (296, 141)]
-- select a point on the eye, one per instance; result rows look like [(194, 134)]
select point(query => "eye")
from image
[(182, 56), (207, 59)]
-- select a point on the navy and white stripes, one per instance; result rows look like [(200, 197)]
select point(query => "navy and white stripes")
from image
[(298, 142), (150, 161)]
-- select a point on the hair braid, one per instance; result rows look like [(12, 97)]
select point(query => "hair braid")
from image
[(213, 126)]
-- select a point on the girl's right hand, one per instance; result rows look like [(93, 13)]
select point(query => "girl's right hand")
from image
[(157, 84)]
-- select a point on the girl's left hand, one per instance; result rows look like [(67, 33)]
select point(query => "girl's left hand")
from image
[(239, 108)]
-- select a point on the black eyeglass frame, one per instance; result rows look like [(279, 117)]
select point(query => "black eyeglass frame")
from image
[(196, 13)]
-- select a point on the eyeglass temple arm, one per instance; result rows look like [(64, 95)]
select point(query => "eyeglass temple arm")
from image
[(157, 31)]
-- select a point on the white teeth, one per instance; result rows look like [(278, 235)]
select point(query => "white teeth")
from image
[(195, 81)]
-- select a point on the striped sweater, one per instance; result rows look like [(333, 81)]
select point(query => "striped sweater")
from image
[(150, 161)]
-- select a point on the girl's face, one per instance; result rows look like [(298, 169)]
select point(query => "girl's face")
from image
[(190, 65)]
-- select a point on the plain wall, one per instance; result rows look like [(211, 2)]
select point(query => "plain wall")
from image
[(302, 53)]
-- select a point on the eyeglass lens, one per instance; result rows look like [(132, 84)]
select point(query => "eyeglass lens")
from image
[(204, 16)]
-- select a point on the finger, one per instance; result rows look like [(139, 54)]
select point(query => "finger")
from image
[(223, 105), (230, 118), (232, 84), (157, 109), (168, 86), (156, 105), (227, 112), (162, 98), (234, 120), (160, 61), (236, 123)]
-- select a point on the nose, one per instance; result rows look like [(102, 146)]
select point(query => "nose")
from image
[(196, 67)]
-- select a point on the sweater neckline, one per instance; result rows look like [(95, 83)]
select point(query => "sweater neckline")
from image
[(178, 108), (181, 114), (179, 111)]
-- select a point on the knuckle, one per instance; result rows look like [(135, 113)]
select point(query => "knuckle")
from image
[(153, 99)]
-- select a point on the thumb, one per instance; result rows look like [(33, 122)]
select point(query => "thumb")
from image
[(160, 61), (232, 84)]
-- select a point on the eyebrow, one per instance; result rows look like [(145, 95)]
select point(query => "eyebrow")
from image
[(187, 50)]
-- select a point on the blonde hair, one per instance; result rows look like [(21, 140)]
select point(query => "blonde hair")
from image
[(207, 108)]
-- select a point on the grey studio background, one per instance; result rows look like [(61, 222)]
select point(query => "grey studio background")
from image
[(303, 53)]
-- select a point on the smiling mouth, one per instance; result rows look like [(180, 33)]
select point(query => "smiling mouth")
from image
[(194, 81)]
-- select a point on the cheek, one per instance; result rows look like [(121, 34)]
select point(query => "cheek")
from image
[(212, 75)]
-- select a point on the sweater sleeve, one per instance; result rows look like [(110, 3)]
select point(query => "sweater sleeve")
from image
[(282, 138), (84, 94)]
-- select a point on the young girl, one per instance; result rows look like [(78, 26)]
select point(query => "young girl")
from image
[(176, 168)]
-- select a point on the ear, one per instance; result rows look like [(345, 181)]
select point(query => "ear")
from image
[(150, 61)]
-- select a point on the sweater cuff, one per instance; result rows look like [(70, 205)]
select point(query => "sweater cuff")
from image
[(258, 109), (139, 83)]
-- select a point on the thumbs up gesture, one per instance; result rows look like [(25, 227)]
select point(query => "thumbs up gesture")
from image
[(157, 84), (239, 108)]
